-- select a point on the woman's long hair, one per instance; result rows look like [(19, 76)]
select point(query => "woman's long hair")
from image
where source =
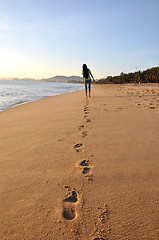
[(85, 71)]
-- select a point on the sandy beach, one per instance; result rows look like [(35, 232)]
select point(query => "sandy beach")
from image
[(84, 169)]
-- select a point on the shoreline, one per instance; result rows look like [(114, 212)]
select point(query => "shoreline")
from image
[(19, 104), (104, 85), (76, 168)]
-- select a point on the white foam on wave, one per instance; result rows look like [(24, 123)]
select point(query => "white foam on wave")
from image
[(13, 93)]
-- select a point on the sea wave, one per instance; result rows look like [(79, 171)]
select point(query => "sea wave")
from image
[(13, 92)]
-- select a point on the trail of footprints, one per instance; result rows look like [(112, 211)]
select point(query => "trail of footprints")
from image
[(148, 96), (71, 200), (102, 229), (85, 164)]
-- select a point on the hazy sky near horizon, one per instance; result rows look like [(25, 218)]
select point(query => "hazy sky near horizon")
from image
[(44, 38)]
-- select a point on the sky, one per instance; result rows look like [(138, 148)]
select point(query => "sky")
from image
[(44, 38)]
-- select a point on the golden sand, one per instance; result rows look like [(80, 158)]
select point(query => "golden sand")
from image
[(76, 168)]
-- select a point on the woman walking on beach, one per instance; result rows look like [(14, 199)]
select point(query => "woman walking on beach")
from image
[(87, 79)]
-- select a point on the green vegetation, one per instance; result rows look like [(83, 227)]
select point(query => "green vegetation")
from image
[(147, 76)]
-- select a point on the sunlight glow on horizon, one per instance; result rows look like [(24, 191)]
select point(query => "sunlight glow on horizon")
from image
[(42, 39)]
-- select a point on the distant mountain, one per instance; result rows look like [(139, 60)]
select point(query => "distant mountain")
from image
[(18, 79), (71, 79), (63, 79)]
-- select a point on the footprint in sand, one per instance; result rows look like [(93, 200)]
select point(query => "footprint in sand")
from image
[(69, 213), (86, 166), (149, 107), (138, 105), (87, 103), (69, 204), (79, 147), (86, 113), (98, 238), (86, 170), (104, 214), (81, 126), (88, 120), (85, 163), (84, 133), (72, 197), (103, 226)]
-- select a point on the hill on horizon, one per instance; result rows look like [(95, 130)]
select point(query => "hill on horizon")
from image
[(63, 79), (71, 79)]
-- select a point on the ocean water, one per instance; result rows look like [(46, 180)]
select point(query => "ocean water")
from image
[(13, 93)]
